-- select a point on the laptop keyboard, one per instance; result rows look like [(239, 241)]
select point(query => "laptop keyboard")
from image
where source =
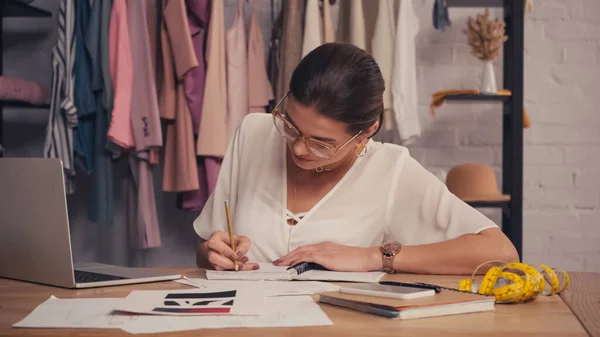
[(87, 277)]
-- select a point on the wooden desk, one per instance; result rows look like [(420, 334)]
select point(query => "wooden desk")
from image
[(546, 316)]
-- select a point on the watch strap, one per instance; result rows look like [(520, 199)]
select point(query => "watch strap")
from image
[(388, 263)]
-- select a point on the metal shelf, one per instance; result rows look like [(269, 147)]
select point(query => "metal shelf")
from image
[(475, 3), (25, 105), (512, 115), (14, 8), (482, 97), (489, 204)]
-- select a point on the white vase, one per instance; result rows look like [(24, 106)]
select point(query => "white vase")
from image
[(488, 79)]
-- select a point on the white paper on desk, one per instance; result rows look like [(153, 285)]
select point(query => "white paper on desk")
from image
[(282, 311), (237, 300), (268, 271), (76, 313), (272, 288)]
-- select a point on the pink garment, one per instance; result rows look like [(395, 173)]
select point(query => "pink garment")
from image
[(212, 135), (145, 119), (178, 58), (210, 172), (197, 13), (140, 195), (147, 134), (193, 201), (260, 91), (121, 72), (237, 72), (213, 165), (198, 17), (18, 89)]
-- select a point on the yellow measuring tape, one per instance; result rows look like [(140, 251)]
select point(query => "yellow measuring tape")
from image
[(517, 282)]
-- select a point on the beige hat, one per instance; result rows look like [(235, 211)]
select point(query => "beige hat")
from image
[(474, 182)]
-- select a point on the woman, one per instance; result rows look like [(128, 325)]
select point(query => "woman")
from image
[(308, 183)]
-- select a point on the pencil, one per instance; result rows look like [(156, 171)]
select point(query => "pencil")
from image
[(230, 229)]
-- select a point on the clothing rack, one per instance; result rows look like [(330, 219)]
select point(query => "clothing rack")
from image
[(512, 108), (14, 8)]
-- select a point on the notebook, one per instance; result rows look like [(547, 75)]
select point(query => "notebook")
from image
[(270, 272), (447, 302)]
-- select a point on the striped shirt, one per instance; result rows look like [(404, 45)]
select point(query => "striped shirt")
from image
[(63, 114)]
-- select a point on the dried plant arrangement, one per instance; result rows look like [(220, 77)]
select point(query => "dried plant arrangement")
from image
[(485, 36)]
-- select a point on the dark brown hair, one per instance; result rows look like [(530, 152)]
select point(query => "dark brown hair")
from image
[(342, 82)]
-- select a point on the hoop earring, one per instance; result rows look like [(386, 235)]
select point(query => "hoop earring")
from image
[(319, 169), (361, 150)]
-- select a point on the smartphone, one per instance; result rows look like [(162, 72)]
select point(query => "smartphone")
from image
[(380, 290)]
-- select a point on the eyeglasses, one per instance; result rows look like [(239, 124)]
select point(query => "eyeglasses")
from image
[(290, 132)]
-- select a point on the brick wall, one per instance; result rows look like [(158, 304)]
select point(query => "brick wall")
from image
[(562, 147)]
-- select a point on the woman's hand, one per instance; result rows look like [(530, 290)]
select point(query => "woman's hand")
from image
[(335, 257), (217, 251)]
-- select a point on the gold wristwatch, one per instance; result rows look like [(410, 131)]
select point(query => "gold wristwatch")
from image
[(389, 250)]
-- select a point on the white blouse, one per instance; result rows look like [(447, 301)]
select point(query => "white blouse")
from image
[(386, 195)]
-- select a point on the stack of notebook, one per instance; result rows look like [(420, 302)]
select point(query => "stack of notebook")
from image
[(447, 302)]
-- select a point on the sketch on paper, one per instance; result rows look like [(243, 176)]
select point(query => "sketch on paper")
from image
[(215, 302), (247, 300)]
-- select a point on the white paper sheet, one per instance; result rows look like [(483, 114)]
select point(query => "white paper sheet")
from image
[(76, 313), (268, 271), (247, 299), (272, 288), (283, 311)]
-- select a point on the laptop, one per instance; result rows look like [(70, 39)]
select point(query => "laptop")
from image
[(35, 241)]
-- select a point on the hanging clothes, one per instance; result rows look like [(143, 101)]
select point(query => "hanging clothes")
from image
[(143, 219), (142, 230), (121, 72), (107, 87), (178, 58), (357, 24), (382, 48), (101, 208), (193, 201), (237, 71), (313, 33), (213, 166), (198, 18), (260, 91), (440, 15), (291, 46), (154, 36), (274, 58), (328, 31), (63, 114), (404, 77), (318, 29), (85, 100), (212, 134), (351, 23), (145, 119)]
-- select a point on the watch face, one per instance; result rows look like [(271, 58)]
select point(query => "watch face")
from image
[(391, 247)]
